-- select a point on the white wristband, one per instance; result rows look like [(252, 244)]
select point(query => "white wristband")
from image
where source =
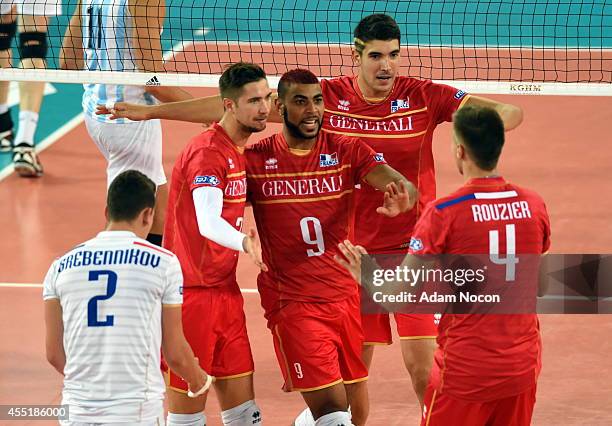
[(209, 380)]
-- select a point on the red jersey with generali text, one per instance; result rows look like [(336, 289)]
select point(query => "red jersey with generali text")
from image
[(209, 160), (301, 203), (485, 357), (399, 127)]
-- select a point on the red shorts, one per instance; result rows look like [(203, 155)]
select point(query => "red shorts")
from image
[(443, 410), (377, 327), (215, 327), (318, 344)]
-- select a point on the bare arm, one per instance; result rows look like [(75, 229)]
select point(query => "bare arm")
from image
[(148, 17), (54, 335), (199, 110), (511, 115), (177, 352), (543, 276), (72, 56)]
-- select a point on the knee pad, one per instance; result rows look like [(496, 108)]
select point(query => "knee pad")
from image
[(33, 45), (195, 419), (7, 32), (305, 418), (337, 418), (246, 414)]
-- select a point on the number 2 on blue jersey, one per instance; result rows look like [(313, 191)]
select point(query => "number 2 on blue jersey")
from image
[(92, 305)]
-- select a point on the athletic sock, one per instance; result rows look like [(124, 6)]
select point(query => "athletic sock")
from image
[(28, 120)]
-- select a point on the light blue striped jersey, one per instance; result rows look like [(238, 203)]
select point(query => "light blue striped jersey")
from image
[(107, 30)]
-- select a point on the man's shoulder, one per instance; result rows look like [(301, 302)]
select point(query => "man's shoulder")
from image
[(526, 192), (454, 199), (208, 144), (337, 88)]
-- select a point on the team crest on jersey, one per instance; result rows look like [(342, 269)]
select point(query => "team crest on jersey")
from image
[(328, 160), (343, 105), (271, 164), (415, 244), (398, 104), (230, 163), (460, 94), (379, 157), (206, 180)]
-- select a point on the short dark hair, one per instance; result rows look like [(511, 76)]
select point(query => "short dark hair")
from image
[(296, 76), (130, 193), (481, 130), (375, 27), (236, 76)]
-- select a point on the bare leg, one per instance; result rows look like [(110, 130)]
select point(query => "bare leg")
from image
[(25, 159), (418, 359), (357, 394), (6, 122)]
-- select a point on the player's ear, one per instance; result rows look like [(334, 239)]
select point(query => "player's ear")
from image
[(460, 152), (280, 107), (146, 216), (228, 104), (356, 57), (106, 214)]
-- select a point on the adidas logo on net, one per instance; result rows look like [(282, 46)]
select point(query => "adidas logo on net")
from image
[(153, 82)]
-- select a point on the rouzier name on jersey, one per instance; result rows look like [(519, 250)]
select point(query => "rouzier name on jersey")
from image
[(501, 211), (109, 257)]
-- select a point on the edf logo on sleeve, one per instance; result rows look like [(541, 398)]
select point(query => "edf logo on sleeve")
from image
[(206, 180), (416, 244), (460, 94)]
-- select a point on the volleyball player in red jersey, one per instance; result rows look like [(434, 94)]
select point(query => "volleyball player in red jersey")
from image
[(300, 184), (203, 228), (396, 116), (486, 366)]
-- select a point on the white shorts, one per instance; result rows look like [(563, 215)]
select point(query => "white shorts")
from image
[(32, 7), (82, 415), (134, 145), (157, 422)]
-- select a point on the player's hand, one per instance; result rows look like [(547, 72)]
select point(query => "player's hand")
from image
[(132, 112), (398, 199), (352, 258), (202, 385), (251, 246)]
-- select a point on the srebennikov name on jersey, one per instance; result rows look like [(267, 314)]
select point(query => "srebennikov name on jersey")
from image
[(133, 256)]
